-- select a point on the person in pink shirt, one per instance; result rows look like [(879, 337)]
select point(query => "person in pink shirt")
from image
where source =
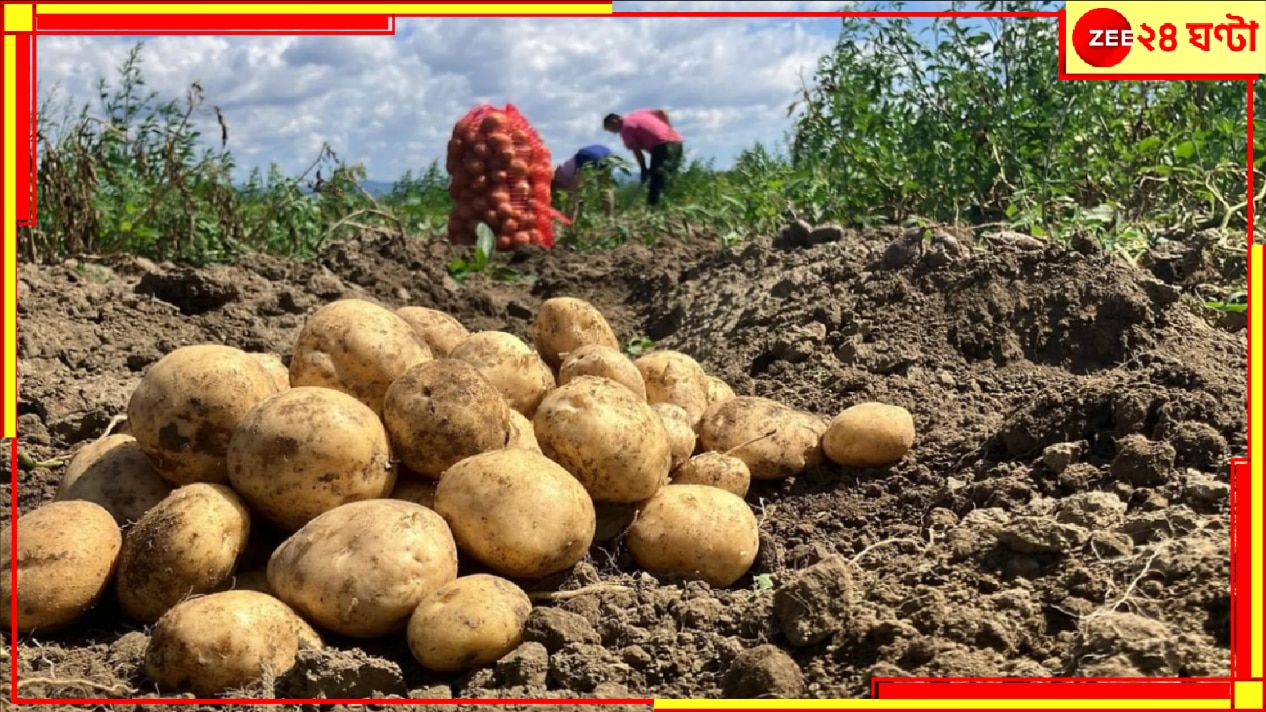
[(649, 132)]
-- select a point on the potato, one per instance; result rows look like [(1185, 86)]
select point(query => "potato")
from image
[(276, 369), (187, 406), (681, 435), (775, 441), (187, 544), (356, 347), (869, 435), (715, 469), (604, 361), (360, 569), (469, 623), (717, 390), (695, 532), (605, 436), (564, 324), (516, 512), (441, 412), (440, 331), (114, 473), (416, 490), (224, 641), (65, 557), (674, 377), (522, 435), (306, 451), (510, 365)]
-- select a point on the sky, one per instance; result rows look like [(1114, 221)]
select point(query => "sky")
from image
[(390, 102)]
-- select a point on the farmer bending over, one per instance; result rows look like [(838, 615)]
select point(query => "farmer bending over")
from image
[(649, 131), (569, 177)]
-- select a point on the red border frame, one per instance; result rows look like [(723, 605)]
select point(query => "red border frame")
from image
[(891, 688)]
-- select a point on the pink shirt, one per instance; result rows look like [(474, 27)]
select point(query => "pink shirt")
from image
[(643, 130)]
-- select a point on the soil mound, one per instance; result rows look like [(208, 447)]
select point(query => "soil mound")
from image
[(1064, 510)]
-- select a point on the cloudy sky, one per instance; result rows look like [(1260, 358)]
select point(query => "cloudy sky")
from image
[(390, 102)]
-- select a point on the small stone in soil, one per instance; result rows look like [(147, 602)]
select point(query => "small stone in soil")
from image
[(1205, 492), (525, 666), (1059, 456), (329, 672), (814, 604), (1145, 642), (1142, 462), (1197, 444), (583, 667), (1037, 535), (555, 628), (763, 672), (1092, 510)]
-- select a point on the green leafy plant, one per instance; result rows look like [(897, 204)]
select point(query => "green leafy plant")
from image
[(485, 247)]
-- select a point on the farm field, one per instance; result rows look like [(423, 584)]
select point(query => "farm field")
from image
[(1063, 510), (1052, 292)]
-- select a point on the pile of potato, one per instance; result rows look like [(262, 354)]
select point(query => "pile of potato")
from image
[(420, 474), (500, 173)]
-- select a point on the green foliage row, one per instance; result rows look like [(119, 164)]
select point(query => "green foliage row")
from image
[(957, 124)]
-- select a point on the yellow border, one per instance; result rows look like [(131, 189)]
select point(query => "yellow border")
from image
[(369, 8), (10, 316), (1255, 454), (945, 704), (19, 17)]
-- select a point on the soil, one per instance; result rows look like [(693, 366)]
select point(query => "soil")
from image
[(1064, 510)]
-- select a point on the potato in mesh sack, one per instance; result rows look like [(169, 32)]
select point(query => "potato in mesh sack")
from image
[(500, 175)]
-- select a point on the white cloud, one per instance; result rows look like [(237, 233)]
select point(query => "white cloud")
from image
[(390, 102)]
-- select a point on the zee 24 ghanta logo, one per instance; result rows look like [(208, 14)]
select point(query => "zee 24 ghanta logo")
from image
[(1103, 37)]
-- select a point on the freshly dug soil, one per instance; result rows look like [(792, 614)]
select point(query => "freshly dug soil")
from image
[(1064, 510)]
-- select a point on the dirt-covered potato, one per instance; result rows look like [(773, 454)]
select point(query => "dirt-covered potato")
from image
[(509, 364), (224, 641), (564, 324), (307, 450), (869, 435), (674, 377), (681, 435), (516, 512), (715, 469), (695, 532), (775, 441), (185, 545), (276, 369), (360, 569), (522, 435), (605, 436), (604, 361), (65, 557), (441, 412), (114, 473), (416, 490), (356, 347), (717, 390), (438, 330), (187, 406), (468, 623)]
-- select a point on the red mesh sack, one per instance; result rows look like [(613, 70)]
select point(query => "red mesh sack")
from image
[(499, 174)]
